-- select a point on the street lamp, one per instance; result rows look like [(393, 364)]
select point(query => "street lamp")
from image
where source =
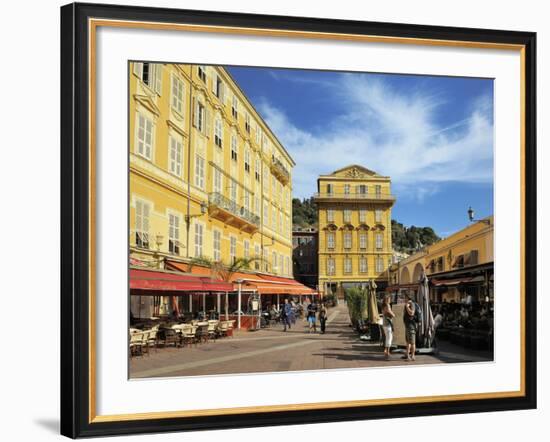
[(472, 219), (204, 207), (188, 218), (159, 239)]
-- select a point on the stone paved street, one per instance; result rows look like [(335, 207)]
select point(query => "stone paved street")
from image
[(271, 349)]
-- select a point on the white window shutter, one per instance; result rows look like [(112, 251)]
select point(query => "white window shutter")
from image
[(222, 92), (145, 224), (173, 91), (138, 69), (214, 82), (158, 78), (207, 125), (139, 215), (195, 113)]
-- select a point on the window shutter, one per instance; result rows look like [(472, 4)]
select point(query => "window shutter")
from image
[(139, 215), (145, 221), (148, 138), (222, 92), (141, 134), (158, 78), (179, 158), (214, 82), (172, 155), (138, 69), (207, 125), (195, 112)]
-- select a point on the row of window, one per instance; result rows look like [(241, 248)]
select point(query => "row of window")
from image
[(145, 144), (348, 213), (201, 116), (151, 75), (350, 265), (279, 263), (219, 89), (348, 240), (360, 189)]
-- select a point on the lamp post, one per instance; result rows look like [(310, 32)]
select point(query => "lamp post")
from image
[(159, 239), (188, 217), (471, 214)]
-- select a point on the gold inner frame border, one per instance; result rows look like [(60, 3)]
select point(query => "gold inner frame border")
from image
[(93, 24)]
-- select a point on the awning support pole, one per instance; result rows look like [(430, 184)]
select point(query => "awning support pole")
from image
[(219, 306), (239, 307), (226, 306)]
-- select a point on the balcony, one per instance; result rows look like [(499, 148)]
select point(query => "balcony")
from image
[(279, 170), (367, 197), (231, 213)]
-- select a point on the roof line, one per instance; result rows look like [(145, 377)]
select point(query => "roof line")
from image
[(257, 112)]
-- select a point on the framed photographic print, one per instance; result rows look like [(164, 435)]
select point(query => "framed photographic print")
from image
[(275, 220)]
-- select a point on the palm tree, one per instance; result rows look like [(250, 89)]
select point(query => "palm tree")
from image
[(223, 271)]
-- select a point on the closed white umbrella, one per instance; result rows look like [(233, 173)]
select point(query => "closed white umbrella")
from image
[(427, 324)]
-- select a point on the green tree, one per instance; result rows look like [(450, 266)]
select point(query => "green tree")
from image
[(409, 239), (304, 212)]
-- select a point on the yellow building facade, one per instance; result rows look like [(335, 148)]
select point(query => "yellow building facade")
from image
[(354, 208), (457, 266), (208, 178)]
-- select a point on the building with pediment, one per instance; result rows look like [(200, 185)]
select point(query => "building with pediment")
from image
[(355, 240)]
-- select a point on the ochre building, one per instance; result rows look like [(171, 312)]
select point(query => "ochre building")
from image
[(208, 178), (354, 208), (459, 268)]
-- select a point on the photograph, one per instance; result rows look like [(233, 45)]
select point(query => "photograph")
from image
[(288, 220)]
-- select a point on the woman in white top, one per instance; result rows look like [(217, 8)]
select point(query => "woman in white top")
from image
[(387, 325)]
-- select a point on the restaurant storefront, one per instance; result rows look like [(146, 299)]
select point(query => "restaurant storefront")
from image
[(252, 292), (157, 293)]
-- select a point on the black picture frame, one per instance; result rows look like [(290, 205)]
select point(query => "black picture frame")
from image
[(75, 221)]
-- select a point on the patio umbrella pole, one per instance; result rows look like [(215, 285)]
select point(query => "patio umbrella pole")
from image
[(226, 306)]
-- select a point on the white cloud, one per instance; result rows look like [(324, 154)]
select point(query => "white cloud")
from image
[(392, 133)]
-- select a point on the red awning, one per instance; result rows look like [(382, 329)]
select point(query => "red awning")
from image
[(165, 281), (277, 284), (251, 281), (216, 285)]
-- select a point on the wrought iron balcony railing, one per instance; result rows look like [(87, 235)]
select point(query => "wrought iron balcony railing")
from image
[(217, 200), (355, 196), (279, 169)]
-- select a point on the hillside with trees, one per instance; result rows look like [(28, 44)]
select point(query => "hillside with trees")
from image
[(409, 239), (304, 212), (405, 239)]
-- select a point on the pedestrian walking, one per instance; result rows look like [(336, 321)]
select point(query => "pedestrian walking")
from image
[(286, 312), (387, 325), (312, 316), (323, 317), (411, 323)]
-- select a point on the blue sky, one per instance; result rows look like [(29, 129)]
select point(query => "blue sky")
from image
[(432, 135)]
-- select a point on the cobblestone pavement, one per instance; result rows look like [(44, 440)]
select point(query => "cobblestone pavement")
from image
[(272, 349)]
